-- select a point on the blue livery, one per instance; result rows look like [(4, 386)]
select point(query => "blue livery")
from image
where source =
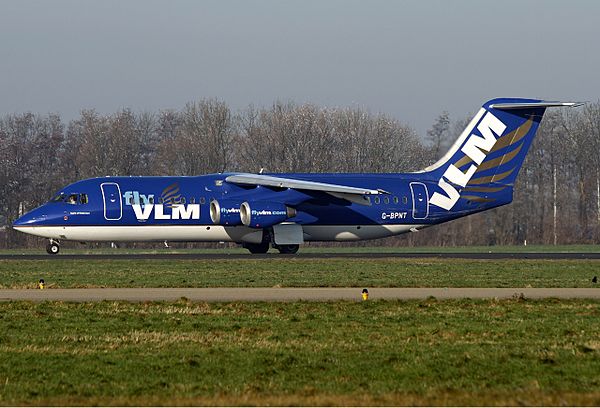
[(284, 210)]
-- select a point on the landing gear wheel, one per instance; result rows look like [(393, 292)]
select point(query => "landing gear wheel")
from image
[(262, 248), (52, 248), (288, 249)]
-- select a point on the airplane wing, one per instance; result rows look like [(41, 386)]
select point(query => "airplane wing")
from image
[(353, 194)]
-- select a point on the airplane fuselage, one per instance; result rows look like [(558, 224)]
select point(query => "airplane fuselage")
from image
[(178, 209)]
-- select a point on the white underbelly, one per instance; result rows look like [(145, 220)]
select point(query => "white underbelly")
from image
[(204, 233), (210, 233), (354, 232)]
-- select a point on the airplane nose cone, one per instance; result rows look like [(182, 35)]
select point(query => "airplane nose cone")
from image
[(28, 219), (21, 221)]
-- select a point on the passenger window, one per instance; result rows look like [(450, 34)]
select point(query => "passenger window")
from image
[(395, 200), (386, 200), (151, 200), (202, 200), (182, 200), (377, 200), (131, 200), (83, 199), (193, 200), (73, 198), (404, 200), (160, 200)]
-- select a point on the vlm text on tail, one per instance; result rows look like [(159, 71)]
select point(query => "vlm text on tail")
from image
[(482, 165)]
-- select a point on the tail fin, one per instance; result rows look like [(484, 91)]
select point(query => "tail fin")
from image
[(484, 162)]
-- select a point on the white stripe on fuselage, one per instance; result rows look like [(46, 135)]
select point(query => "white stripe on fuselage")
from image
[(210, 233)]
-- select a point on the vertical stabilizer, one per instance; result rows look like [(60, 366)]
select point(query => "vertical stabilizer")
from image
[(484, 162)]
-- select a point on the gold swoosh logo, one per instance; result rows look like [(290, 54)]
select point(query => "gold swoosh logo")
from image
[(170, 189), (170, 195), (513, 137), (486, 165), (508, 139), (491, 179), (478, 199), (484, 189)]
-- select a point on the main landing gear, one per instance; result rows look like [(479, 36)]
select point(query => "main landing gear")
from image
[(263, 248), (269, 241), (53, 247), (287, 249)]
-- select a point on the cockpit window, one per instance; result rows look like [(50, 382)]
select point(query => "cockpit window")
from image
[(58, 198), (70, 198)]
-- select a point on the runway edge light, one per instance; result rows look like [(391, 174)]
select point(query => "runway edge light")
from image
[(365, 294)]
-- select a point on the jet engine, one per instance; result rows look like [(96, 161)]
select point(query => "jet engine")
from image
[(225, 212), (263, 214)]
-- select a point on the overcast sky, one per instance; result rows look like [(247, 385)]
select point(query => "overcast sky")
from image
[(410, 60)]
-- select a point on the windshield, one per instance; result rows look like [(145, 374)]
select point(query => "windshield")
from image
[(57, 198), (70, 198)]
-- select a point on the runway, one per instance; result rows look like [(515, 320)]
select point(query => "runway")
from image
[(362, 255), (288, 294)]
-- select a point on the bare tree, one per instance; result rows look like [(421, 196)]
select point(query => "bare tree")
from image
[(438, 134)]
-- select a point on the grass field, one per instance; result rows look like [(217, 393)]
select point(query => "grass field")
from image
[(511, 352), (226, 249), (344, 353), (291, 272)]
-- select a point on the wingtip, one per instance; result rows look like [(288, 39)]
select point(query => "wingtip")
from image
[(570, 104)]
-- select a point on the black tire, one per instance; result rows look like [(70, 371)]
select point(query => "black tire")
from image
[(288, 249), (262, 248), (53, 248)]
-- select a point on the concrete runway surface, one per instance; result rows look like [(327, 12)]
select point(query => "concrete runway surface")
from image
[(369, 255), (287, 294)]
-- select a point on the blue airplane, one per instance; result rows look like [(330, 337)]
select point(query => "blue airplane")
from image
[(282, 211)]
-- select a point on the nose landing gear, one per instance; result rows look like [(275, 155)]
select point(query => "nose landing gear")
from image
[(53, 247)]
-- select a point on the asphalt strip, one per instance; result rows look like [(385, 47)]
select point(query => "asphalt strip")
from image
[(302, 256), (288, 294)]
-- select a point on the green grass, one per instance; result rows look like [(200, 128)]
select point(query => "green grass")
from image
[(343, 353), (226, 249), (293, 272)]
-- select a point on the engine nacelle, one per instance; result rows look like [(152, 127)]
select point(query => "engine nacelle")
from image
[(225, 212), (263, 214)]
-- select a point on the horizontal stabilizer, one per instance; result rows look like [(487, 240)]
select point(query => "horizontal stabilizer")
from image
[(530, 105)]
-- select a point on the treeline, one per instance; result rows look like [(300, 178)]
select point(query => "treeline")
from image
[(557, 197)]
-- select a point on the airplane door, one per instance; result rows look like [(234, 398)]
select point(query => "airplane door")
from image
[(113, 207), (420, 198)]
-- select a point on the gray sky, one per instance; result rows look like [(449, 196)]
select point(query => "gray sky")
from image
[(410, 60)]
